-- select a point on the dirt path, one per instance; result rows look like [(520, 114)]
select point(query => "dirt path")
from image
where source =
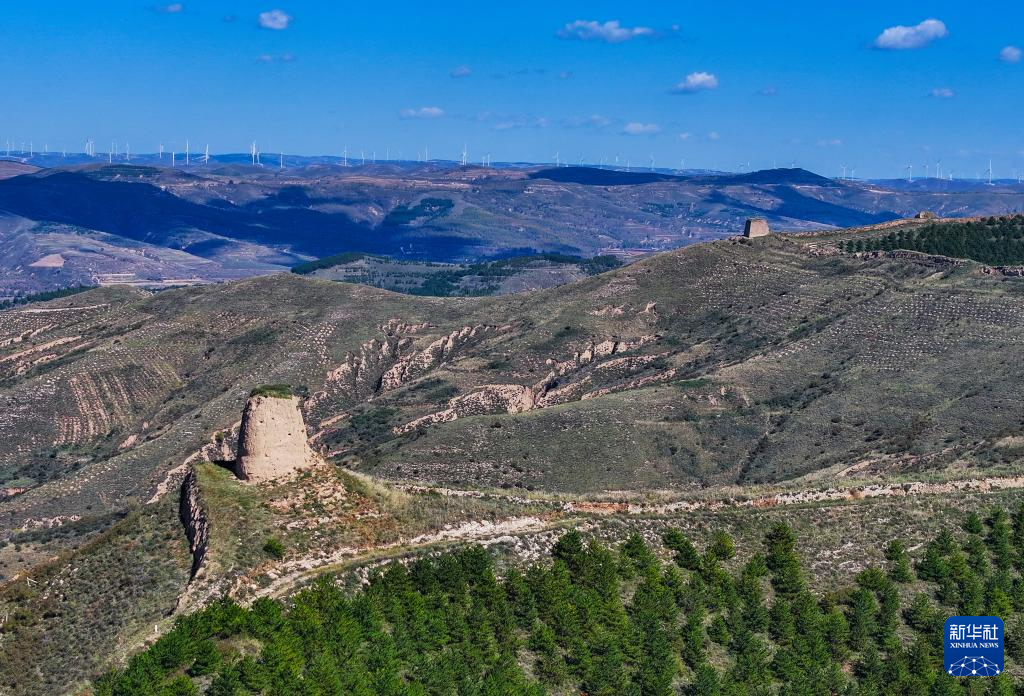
[(568, 514)]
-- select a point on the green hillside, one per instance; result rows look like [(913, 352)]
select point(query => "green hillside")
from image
[(701, 382), (998, 241), (610, 622)]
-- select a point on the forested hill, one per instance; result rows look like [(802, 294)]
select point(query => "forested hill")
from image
[(610, 623), (996, 240)]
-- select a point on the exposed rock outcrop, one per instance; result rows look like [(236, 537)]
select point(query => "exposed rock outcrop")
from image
[(193, 518), (517, 398), (440, 351), (389, 362), (272, 439)]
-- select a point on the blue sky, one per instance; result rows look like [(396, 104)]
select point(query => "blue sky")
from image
[(819, 84)]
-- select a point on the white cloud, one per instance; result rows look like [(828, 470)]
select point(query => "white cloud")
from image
[(461, 71), (173, 8), (270, 58), (637, 128), (514, 122), (713, 135), (592, 121), (943, 93), (423, 112), (610, 32), (901, 38), (696, 82), (565, 75), (685, 136), (1010, 54), (769, 91), (830, 142), (275, 19)]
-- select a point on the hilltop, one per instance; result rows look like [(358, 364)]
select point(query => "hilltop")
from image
[(146, 224)]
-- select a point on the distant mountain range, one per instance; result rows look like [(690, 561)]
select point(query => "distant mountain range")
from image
[(83, 221)]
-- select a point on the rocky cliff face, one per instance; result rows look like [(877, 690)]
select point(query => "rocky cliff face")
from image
[(272, 439), (193, 517)]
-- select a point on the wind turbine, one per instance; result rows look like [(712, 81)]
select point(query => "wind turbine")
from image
[(652, 163), (127, 152), (558, 161), (344, 156), (989, 172), (465, 155), (161, 155), (186, 153), (910, 168), (844, 171), (206, 155)]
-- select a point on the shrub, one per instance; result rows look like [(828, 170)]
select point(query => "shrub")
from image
[(274, 548), (276, 391)]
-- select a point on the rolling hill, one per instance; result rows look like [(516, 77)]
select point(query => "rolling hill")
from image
[(227, 219), (729, 378)]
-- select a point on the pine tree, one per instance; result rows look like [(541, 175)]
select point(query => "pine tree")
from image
[(782, 560), (686, 555), (551, 667), (207, 659), (899, 561), (718, 631), (705, 682), (607, 675), (973, 525), (722, 546), (863, 609), (1000, 539), (693, 639), (635, 557)]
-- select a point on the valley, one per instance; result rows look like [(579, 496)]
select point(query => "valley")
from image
[(80, 222)]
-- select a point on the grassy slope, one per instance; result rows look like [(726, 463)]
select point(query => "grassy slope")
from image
[(815, 363), (811, 364)]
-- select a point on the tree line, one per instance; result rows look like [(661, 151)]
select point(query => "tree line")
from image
[(998, 241)]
